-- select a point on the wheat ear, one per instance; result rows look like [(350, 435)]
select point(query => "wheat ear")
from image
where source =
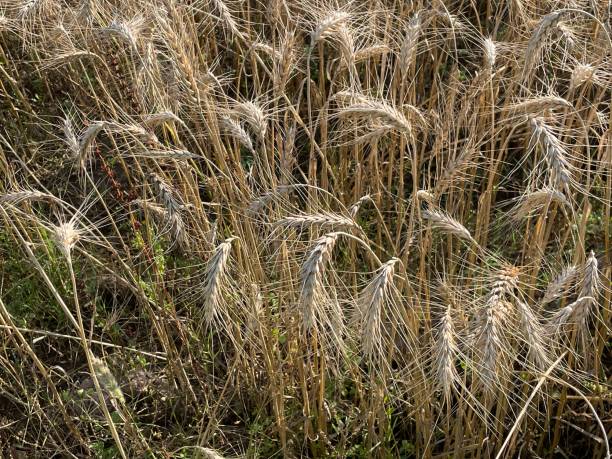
[(445, 223), (554, 152), (328, 25), (215, 280), (533, 334), (445, 356), (323, 220), (312, 288), (560, 285), (491, 340), (235, 129), (254, 115), (370, 307)]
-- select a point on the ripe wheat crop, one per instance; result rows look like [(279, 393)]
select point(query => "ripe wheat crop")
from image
[(285, 229)]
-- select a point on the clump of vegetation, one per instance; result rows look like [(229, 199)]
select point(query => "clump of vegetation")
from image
[(305, 229)]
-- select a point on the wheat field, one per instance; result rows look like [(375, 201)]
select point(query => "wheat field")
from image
[(286, 229)]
